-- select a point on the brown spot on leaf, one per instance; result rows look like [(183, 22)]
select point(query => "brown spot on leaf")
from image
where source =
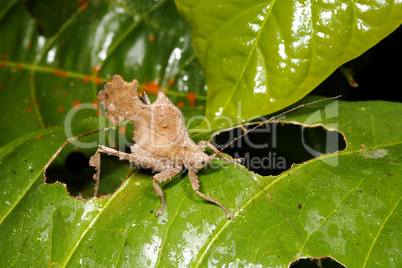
[(152, 87), (87, 78), (97, 80), (96, 69), (83, 7), (61, 73), (76, 104), (191, 96), (180, 104), (60, 109)]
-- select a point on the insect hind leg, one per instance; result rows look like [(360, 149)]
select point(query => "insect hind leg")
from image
[(196, 186)]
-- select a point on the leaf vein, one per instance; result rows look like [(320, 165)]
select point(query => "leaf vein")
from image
[(167, 229), (379, 231), (67, 260)]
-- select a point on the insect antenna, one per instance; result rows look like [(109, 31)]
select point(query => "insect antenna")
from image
[(273, 118), (65, 144)]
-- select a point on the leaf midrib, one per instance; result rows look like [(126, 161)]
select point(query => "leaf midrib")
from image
[(94, 220), (280, 177), (233, 90)]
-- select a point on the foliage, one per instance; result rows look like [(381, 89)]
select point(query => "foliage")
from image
[(55, 56)]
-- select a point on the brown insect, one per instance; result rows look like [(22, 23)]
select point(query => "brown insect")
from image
[(161, 139)]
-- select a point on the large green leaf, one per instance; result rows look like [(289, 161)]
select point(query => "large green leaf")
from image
[(43, 77), (269, 54), (345, 205), (50, 61)]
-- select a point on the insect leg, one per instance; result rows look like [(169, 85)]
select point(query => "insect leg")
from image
[(162, 177), (196, 186), (144, 98), (95, 161), (141, 157), (111, 151)]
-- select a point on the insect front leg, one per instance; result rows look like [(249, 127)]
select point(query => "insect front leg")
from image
[(162, 177), (195, 183), (95, 161)]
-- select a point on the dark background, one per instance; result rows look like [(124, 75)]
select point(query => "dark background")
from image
[(378, 72)]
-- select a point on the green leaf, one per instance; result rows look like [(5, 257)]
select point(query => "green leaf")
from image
[(268, 55), (344, 205), (350, 211), (49, 75)]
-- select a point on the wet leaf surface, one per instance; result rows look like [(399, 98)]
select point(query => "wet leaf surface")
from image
[(48, 76), (344, 205), (283, 49)]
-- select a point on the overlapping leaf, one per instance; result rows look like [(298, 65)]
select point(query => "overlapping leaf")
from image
[(268, 55)]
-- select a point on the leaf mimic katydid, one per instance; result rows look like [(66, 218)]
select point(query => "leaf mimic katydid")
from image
[(161, 139)]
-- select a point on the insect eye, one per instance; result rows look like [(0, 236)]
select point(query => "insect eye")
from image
[(203, 161)]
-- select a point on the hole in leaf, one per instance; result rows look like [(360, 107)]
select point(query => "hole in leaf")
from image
[(274, 147), (74, 171), (77, 175), (71, 166), (76, 162), (327, 262)]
